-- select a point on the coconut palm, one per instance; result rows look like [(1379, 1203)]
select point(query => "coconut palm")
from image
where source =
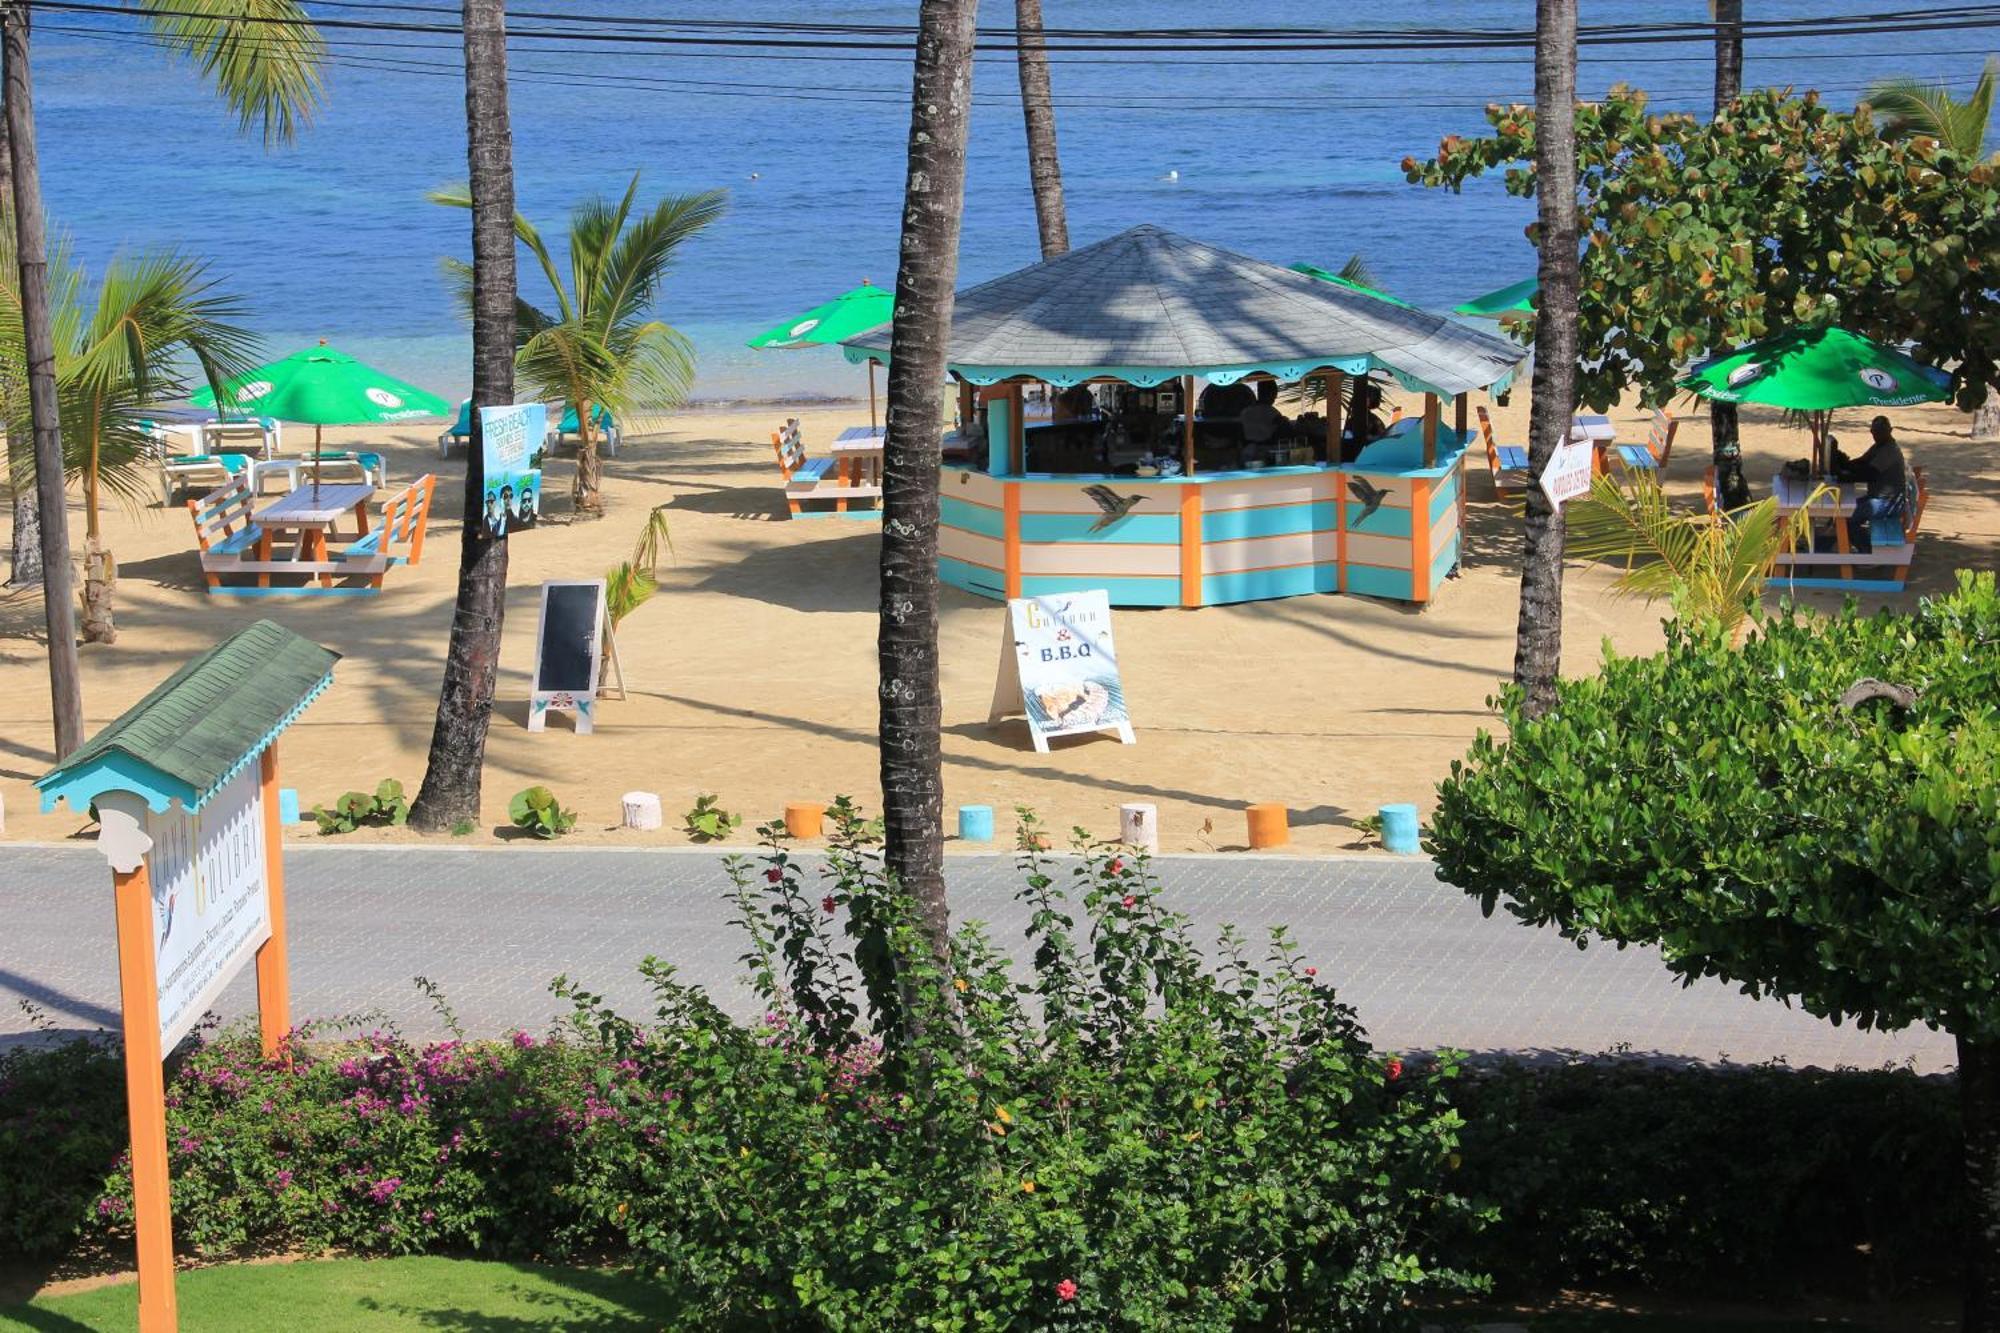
[(1907, 108), (1038, 113), (264, 57), (457, 760), (1711, 566), (117, 358), (598, 347), (1538, 629)]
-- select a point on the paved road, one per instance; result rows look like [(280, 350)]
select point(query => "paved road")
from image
[(493, 926)]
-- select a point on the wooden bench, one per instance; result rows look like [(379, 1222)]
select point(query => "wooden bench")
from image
[(1883, 569), (1507, 464), (1651, 456), (813, 479), (233, 546)]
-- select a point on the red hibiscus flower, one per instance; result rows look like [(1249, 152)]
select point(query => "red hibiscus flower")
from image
[(827, 904), (775, 875), (1394, 1069), (1065, 1290)]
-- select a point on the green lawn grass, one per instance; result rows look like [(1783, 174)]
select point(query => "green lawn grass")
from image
[(371, 1294), (471, 1296)]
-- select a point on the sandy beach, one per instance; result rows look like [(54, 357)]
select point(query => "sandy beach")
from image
[(751, 673)]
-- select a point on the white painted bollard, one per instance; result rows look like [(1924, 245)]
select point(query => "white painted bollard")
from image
[(1139, 826), (642, 809)]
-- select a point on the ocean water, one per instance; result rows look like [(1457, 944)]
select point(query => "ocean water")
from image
[(1286, 157)]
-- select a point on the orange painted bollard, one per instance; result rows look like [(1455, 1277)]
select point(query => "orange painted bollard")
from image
[(804, 819), (1269, 826)]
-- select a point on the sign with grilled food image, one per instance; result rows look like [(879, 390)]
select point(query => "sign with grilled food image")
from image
[(1059, 667)]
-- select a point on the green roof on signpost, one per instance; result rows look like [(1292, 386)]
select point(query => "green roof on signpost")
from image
[(201, 725)]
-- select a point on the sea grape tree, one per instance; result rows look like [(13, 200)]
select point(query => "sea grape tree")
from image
[(1782, 210), (1813, 818)]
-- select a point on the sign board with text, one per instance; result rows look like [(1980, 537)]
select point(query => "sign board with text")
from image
[(1059, 667), (512, 439), (211, 899), (1568, 473)]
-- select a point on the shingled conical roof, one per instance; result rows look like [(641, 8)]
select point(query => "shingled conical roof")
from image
[(1147, 305)]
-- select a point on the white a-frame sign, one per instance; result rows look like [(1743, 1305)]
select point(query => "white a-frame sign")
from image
[(572, 644), (1058, 666)]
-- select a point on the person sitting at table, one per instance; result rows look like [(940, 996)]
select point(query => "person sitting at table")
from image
[(1364, 421), (1224, 400), (1262, 421), (1075, 403), (1883, 472)]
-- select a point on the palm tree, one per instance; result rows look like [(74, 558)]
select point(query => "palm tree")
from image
[(597, 348), (906, 641), (1538, 633), (1907, 108), (1039, 112), (115, 361), (1711, 566), (449, 794), (1724, 430), (264, 57)]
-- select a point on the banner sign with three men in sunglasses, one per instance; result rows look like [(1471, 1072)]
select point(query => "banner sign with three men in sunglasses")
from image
[(513, 441)]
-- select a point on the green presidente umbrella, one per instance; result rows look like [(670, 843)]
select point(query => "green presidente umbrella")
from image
[(1816, 371), (1328, 275), (847, 315), (321, 387), (1507, 303)]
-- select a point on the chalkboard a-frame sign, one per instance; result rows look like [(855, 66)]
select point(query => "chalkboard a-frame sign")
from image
[(568, 642)]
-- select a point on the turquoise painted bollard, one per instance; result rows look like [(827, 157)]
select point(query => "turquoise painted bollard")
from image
[(1399, 829), (288, 805), (975, 823)]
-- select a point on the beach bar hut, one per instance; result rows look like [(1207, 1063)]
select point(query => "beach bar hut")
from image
[(1157, 312)]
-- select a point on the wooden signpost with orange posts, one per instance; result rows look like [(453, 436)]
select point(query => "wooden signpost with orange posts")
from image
[(185, 786)]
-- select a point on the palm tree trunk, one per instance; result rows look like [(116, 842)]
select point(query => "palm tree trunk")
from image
[(1538, 636), (100, 571), (1979, 1108), (31, 226), (25, 565), (1039, 111), (907, 647), (450, 790), (1986, 417), (589, 468), (1732, 491), (1728, 51)]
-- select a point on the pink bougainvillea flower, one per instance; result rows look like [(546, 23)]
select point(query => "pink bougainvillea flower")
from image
[(1065, 1290), (1117, 867), (1130, 901)]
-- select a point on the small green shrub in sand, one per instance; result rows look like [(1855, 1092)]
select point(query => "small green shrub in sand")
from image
[(708, 821), (354, 809), (537, 811)]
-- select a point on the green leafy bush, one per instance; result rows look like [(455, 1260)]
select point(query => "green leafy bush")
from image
[(708, 821), (354, 809), (537, 810), (1620, 1173)]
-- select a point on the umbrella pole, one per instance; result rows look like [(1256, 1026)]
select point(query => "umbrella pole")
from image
[(316, 430), (871, 393)]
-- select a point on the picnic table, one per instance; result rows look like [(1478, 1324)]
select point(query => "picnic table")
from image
[(308, 514), (857, 457)]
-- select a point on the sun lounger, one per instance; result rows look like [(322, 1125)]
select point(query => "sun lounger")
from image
[(609, 436), (458, 435), (1506, 463), (185, 474)]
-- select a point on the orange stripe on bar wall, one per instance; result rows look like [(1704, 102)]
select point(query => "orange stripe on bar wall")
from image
[(1010, 521), (1420, 539), (1190, 545), (274, 973)]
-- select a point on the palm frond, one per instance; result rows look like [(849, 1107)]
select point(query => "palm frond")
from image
[(1356, 270), (263, 56), (631, 276), (1909, 108), (457, 270)]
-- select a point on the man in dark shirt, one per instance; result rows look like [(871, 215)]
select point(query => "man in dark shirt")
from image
[(1882, 471)]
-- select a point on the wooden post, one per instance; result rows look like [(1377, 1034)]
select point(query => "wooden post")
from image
[(1017, 428), (965, 407), (1420, 540), (1458, 416), (145, 1099), (1187, 425), (871, 393), (1431, 413), (1333, 382), (274, 971)]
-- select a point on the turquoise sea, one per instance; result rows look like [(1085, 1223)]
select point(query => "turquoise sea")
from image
[(1282, 156)]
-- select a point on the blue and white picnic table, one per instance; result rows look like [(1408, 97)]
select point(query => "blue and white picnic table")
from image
[(860, 438)]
